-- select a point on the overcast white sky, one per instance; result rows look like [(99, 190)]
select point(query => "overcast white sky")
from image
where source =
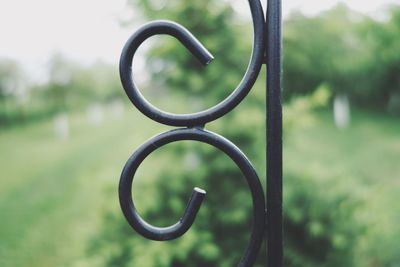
[(87, 30)]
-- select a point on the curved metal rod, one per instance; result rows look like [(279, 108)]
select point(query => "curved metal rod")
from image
[(198, 50), (165, 233), (174, 231)]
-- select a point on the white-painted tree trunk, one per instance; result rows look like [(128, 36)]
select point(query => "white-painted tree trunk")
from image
[(61, 126), (95, 114), (341, 111)]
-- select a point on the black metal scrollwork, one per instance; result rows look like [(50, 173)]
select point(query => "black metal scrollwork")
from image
[(194, 130)]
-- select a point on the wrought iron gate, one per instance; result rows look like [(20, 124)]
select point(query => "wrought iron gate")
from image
[(267, 215)]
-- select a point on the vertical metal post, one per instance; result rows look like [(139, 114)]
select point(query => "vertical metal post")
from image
[(274, 135)]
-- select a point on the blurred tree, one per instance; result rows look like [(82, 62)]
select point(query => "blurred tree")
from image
[(96, 83), (322, 49), (72, 86), (351, 53), (380, 73), (58, 87), (14, 91), (314, 235)]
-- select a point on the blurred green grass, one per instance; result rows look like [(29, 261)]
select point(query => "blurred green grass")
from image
[(367, 150), (53, 192)]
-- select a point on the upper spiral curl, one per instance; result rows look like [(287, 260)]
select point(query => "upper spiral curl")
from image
[(205, 57)]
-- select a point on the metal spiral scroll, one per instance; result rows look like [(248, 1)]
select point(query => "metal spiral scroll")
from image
[(194, 130)]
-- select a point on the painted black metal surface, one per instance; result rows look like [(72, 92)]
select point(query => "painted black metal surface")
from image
[(274, 136), (194, 131)]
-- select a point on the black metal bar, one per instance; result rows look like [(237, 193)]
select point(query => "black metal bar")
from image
[(274, 135)]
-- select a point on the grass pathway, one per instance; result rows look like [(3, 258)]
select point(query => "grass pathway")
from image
[(51, 191)]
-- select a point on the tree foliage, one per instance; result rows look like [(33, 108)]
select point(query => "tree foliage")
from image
[(352, 53)]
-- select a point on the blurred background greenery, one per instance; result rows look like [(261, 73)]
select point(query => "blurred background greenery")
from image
[(64, 140)]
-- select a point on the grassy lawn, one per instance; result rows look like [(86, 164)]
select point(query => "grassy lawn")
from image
[(52, 192)]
